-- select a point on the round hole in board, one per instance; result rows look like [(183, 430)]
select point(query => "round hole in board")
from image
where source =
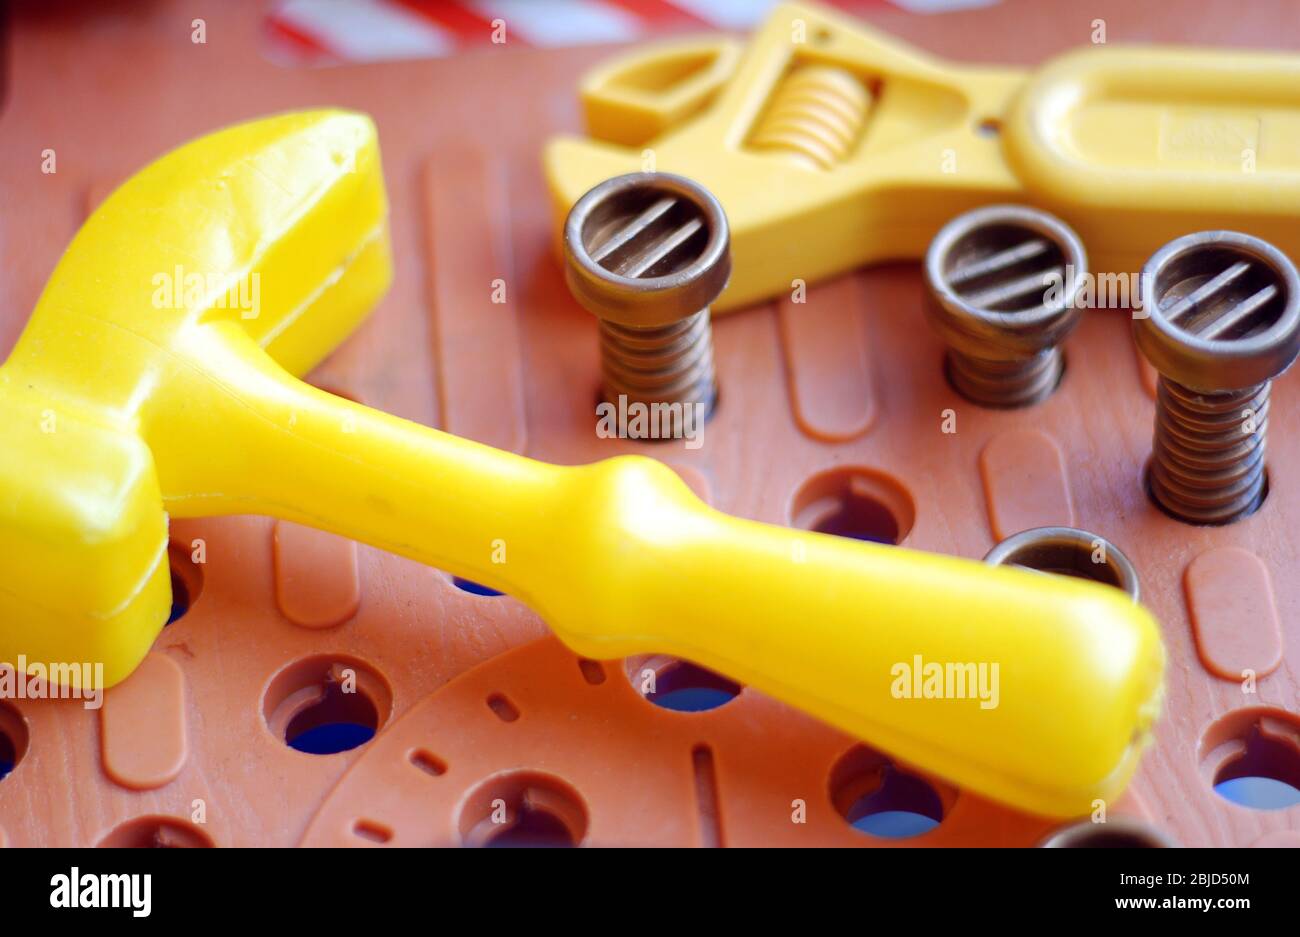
[(156, 833), (679, 685), (1251, 758), (474, 588), (858, 503), (187, 580), (523, 809), (877, 797), (325, 705)]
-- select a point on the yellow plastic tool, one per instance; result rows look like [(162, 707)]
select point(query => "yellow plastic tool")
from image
[(831, 145), (122, 405)]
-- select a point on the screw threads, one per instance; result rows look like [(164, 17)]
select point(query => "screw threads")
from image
[(648, 253), (1001, 287), (1006, 384), (1207, 464), (1221, 320), (664, 364), (816, 114)]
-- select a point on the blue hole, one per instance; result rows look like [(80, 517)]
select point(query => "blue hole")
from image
[(1259, 793), (13, 739), (180, 599), (693, 700), (186, 581), (332, 738), (1265, 776), (902, 806), (468, 585), (337, 722), (8, 755), (896, 824), (685, 687)]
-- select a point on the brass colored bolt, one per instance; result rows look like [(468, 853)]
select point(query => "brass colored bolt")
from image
[(1002, 283), (647, 253), (1221, 320), (1068, 551)]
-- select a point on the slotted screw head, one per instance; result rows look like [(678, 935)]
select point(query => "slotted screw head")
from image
[(646, 249), (1221, 311), (989, 274)]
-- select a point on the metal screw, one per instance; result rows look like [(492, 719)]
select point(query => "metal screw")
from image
[(1002, 283), (1068, 551), (1221, 319), (647, 253)]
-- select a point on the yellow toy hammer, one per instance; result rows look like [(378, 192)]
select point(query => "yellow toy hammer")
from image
[(129, 399)]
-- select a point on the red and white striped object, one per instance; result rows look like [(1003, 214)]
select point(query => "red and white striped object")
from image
[(326, 32)]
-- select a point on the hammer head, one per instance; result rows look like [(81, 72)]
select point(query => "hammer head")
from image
[(277, 228)]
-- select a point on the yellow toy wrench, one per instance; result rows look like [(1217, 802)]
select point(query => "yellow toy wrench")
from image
[(831, 145), (156, 378)]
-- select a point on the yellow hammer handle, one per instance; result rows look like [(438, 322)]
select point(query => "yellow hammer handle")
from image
[(1045, 686)]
